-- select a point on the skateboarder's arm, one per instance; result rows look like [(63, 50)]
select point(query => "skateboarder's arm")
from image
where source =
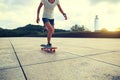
[(60, 9), (38, 12)]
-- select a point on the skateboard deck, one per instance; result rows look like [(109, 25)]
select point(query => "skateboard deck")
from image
[(49, 49)]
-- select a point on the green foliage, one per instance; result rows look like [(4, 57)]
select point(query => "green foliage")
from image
[(37, 31), (28, 30), (77, 28)]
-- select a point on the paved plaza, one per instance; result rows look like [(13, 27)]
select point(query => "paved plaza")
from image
[(75, 59)]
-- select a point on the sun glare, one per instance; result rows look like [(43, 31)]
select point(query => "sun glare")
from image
[(111, 29)]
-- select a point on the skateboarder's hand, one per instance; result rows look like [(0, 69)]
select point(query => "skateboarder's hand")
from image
[(65, 17), (38, 20)]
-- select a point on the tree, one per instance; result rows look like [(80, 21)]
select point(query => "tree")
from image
[(77, 28)]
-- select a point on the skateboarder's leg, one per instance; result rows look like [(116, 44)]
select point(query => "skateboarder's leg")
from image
[(50, 29)]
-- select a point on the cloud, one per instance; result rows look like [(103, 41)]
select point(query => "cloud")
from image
[(99, 1), (11, 5), (16, 13), (16, 2)]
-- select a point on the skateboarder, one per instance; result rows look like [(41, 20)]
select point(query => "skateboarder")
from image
[(48, 18)]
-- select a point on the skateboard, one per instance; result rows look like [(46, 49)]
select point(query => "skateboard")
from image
[(49, 49)]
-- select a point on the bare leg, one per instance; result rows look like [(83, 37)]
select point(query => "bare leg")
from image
[(50, 30)]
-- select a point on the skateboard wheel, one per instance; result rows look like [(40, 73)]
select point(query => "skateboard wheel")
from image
[(53, 50)]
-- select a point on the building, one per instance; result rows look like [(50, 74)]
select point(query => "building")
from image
[(96, 23)]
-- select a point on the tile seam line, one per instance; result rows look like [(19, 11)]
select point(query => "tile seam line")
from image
[(52, 61), (96, 59), (101, 53), (18, 61), (104, 62), (9, 68)]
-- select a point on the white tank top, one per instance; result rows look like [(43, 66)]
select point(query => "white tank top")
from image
[(49, 8)]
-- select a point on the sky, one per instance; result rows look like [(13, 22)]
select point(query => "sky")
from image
[(18, 13)]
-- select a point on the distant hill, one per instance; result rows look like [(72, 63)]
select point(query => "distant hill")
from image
[(31, 30), (28, 30)]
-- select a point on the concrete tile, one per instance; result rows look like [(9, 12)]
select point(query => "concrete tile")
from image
[(4, 44), (8, 61), (111, 57), (5, 51), (36, 57), (27, 44), (72, 69), (93, 43), (88, 46), (83, 51), (7, 55), (99, 61), (29, 52), (11, 74)]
